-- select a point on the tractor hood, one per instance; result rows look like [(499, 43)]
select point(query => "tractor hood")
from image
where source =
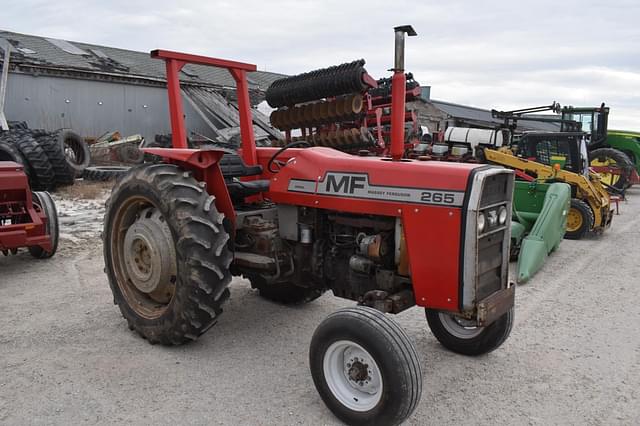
[(325, 174)]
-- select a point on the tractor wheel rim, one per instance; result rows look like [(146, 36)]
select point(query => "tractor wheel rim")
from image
[(73, 151), (352, 375), (574, 220), (459, 327), (144, 258)]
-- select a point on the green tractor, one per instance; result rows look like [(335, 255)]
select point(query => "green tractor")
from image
[(614, 154)]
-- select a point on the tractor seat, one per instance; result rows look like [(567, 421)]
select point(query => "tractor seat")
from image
[(239, 190), (233, 168)]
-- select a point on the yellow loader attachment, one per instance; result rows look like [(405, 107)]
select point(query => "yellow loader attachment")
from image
[(585, 189)]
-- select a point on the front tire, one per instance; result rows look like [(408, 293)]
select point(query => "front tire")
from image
[(167, 255), (365, 368), (464, 339), (580, 220)]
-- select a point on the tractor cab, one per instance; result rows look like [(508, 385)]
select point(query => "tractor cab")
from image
[(567, 149), (592, 121)]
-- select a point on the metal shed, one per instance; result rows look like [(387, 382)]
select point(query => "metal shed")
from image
[(96, 89), (438, 115)]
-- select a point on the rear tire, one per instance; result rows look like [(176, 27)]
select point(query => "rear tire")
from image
[(46, 204), (365, 368), (64, 174), (286, 293), (618, 160), (580, 220), (167, 255), (41, 172), (454, 335), (8, 152)]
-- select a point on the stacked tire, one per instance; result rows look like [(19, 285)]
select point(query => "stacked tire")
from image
[(50, 159)]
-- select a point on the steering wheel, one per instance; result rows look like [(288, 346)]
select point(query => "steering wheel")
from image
[(281, 164)]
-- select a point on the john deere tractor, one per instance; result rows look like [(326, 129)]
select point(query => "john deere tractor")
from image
[(614, 154)]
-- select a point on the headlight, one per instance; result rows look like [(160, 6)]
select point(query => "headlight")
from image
[(481, 222), (502, 215)]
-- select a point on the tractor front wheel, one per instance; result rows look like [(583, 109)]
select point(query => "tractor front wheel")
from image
[(166, 251), (365, 368), (580, 219), (460, 336)]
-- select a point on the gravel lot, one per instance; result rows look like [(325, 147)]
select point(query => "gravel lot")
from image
[(67, 356)]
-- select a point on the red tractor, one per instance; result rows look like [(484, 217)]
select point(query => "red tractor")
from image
[(27, 219), (386, 232)]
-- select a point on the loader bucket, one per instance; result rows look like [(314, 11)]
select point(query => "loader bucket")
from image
[(542, 210)]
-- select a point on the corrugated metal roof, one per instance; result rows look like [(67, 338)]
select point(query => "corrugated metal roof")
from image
[(121, 62), (484, 115)]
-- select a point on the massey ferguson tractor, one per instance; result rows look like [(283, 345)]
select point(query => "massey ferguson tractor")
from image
[(384, 231)]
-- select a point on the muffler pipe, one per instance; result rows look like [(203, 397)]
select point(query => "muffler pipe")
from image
[(398, 93)]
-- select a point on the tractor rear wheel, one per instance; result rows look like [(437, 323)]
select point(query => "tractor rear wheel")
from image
[(459, 336), (286, 293), (580, 220), (365, 368), (45, 203), (617, 162), (167, 255)]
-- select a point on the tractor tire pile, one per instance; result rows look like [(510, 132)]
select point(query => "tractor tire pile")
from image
[(50, 159)]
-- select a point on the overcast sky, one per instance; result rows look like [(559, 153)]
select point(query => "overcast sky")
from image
[(491, 54)]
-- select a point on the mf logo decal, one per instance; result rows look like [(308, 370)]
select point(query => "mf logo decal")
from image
[(346, 184), (356, 185)]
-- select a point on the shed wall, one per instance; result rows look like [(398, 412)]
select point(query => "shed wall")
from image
[(93, 108)]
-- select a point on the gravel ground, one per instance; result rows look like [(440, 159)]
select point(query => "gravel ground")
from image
[(67, 357)]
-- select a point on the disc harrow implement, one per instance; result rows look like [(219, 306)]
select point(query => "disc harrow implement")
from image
[(323, 83)]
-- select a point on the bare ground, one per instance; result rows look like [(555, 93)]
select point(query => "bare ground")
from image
[(67, 357)]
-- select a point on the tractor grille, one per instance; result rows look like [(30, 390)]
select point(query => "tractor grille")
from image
[(489, 264), (486, 251), (495, 189), (491, 244)]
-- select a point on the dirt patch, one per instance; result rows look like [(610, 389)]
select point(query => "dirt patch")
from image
[(81, 212), (85, 190)]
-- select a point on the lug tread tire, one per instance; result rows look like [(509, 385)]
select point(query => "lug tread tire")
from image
[(64, 174), (104, 173), (588, 219), (203, 274), (494, 335), (41, 171), (8, 152), (621, 159), (45, 202), (379, 334), (75, 142)]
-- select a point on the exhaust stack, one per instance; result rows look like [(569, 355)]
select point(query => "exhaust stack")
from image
[(398, 92)]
